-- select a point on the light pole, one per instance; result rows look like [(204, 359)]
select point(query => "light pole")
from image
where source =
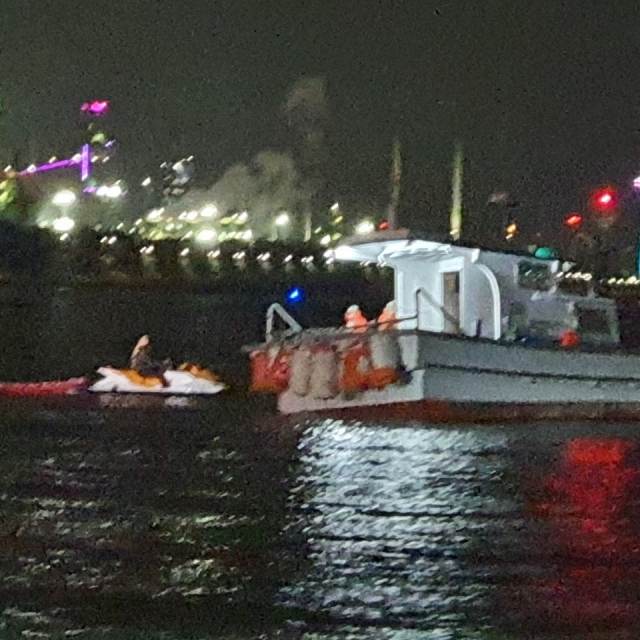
[(64, 200), (281, 222)]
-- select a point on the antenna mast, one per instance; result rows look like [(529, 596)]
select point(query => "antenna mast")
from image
[(456, 196), (396, 179)]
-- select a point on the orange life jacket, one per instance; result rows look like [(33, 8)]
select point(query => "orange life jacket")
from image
[(387, 320), (355, 321)]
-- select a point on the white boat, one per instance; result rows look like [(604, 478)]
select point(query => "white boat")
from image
[(177, 383), (475, 327)]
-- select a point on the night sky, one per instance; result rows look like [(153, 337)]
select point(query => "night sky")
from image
[(543, 94)]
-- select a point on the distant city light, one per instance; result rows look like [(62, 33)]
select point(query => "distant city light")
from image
[(605, 199), (63, 225), (574, 220), (206, 235), (96, 107), (146, 182), (192, 215), (636, 183), (64, 198), (247, 235), (114, 191), (282, 220), (335, 207), (243, 217), (365, 227), (325, 240), (209, 211)]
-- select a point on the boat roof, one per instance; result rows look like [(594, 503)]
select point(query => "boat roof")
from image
[(382, 245)]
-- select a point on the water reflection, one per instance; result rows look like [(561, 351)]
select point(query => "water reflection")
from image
[(112, 524), (389, 514), (172, 525), (591, 506), (418, 532)]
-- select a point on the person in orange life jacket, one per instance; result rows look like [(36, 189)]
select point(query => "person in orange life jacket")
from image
[(354, 319), (142, 362), (388, 319)]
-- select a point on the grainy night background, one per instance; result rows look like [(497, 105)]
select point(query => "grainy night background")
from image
[(543, 95)]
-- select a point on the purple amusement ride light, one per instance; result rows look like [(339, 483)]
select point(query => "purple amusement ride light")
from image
[(85, 166), (96, 108), (51, 165)]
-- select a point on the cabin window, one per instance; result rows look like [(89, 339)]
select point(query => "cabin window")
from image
[(593, 321), (534, 276)]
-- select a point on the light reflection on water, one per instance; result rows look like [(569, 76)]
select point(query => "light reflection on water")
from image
[(417, 532), (389, 514), (176, 526)]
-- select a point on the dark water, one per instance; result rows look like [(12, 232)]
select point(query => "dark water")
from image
[(228, 523), (217, 524)]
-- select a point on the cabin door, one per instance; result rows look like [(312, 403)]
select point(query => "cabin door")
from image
[(451, 301)]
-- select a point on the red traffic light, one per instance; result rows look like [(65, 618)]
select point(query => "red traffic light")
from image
[(605, 199), (574, 220)]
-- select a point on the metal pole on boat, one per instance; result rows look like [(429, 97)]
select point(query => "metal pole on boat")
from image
[(396, 179), (456, 197)]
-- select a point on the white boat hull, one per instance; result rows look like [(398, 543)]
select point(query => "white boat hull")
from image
[(179, 383), (463, 370)]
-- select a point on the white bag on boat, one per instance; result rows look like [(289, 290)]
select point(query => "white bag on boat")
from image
[(385, 352), (300, 371), (324, 373)]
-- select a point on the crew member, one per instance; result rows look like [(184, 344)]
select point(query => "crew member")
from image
[(142, 362), (388, 319), (355, 320)]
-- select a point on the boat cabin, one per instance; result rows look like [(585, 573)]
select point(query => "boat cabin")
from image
[(446, 288)]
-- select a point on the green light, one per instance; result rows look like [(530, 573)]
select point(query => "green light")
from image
[(545, 253)]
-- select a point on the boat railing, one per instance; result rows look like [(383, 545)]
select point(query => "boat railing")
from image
[(278, 310), (423, 294)]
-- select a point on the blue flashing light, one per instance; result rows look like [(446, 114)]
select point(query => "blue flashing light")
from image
[(295, 295)]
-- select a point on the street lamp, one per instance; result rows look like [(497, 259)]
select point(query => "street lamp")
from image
[(365, 227), (64, 198), (109, 191), (206, 235), (63, 225), (282, 220), (209, 211)]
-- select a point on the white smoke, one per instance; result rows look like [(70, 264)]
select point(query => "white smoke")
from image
[(266, 186)]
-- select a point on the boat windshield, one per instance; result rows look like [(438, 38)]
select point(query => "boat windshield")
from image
[(534, 276)]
